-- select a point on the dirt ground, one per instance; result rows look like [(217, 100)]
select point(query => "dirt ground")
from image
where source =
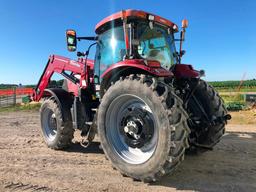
[(26, 164)]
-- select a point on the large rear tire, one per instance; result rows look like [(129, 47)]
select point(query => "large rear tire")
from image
[(142, 127), (57, 128), (206, 130)]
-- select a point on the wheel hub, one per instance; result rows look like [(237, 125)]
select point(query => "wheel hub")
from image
[(135, 128), (131, 129)]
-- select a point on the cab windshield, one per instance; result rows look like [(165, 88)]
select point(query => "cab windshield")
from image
[(155, 44), (146, 43)]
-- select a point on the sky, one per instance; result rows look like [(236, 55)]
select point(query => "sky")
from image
[(220, 38)]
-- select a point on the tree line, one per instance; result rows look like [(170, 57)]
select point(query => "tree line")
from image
[(233, 84)]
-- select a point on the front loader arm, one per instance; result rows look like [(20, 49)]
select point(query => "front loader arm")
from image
[(59, 64)]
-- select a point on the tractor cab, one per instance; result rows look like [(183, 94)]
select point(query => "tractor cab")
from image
[(135, 39), (138, 35)]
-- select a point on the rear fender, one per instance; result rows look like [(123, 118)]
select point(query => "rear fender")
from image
[(149, 67)]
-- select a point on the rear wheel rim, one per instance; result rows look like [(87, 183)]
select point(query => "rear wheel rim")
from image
[(49, 125), (131, 129)]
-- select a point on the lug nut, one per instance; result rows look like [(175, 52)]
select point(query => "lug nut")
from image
[(126, 129)]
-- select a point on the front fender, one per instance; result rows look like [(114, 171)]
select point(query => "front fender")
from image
[(63, 98)]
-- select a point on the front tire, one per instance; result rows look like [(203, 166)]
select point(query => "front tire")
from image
[(142, 127), (56, 128)]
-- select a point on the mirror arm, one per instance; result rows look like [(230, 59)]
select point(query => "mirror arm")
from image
[(182, 38), (87, 38)]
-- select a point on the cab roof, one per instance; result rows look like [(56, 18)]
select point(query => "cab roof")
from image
[(130, 13)]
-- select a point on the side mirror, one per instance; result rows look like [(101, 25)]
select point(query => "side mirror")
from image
[(184, 23), (71, 40)]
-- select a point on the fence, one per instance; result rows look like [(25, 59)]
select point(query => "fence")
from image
[(10, 97)]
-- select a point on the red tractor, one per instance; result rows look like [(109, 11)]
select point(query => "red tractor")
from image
[(146, 107)]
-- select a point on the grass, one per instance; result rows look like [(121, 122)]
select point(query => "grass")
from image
[(24, 107), (233, 98), (234, 102), (243, 89)]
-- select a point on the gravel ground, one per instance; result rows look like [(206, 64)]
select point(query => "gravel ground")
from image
[(26, 164)]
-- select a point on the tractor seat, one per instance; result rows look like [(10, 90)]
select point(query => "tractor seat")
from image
[(155, 54)]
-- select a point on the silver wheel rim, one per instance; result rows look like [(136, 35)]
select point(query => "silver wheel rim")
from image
[(49, 125), (116, 112)]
